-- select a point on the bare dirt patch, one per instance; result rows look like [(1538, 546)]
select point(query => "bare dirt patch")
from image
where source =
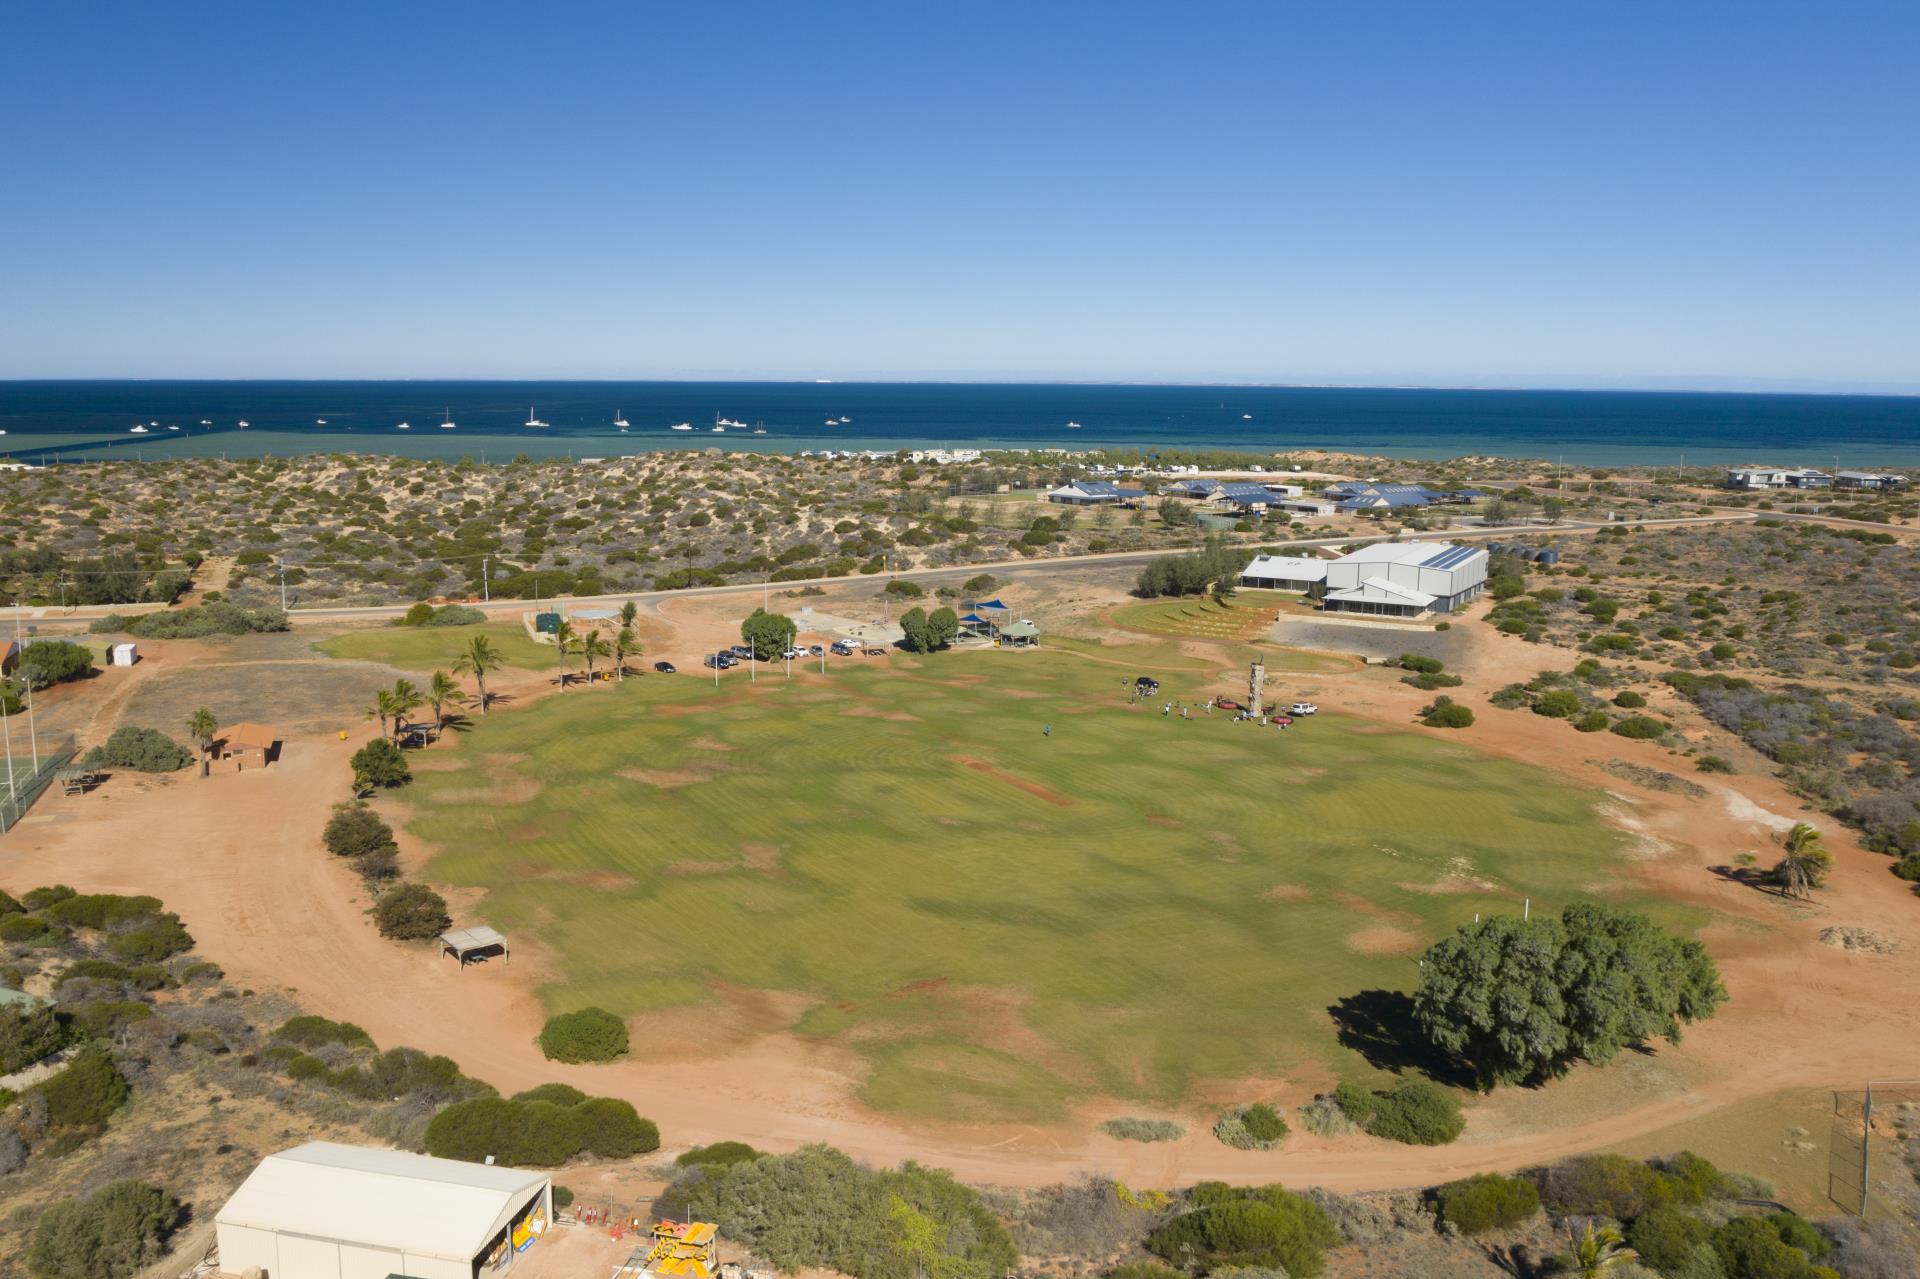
[(761, 858), (871, 712), (1286, 893), (710, 744), (670, 778), (1384, 941), (1165, 823), (1847, 937), (1032, 788)]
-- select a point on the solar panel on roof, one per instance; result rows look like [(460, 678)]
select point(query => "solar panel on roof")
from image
[(1452, 557)]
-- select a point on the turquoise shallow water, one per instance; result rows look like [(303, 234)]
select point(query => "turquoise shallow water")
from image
[(92, 419)]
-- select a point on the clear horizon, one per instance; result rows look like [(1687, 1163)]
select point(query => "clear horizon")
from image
[(1711, 200)]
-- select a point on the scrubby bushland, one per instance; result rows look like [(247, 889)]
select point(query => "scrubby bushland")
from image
[(558, 1094), (44, 663), (1323, 1117), (1132, 1129), (355, 830), (1193, 573), (411, 912), (218, 618), (720, 1154), (1515, 1001), (540, 1133), (1487, 1202), (1255, 1127), (1640, 728), (136, 928), (1444, 712), (424, 614), (113, 1233), (817, 1208), (1232, 1226), (588, 1034), (145, 750), (1413, 1111)]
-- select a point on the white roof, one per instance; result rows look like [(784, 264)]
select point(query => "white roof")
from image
[(1295, 568), (1378, 590), (441, 1208), (1402, 553), (479, 937)]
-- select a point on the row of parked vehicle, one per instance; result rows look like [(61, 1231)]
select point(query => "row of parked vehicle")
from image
[(1147, 686), (739, 653)]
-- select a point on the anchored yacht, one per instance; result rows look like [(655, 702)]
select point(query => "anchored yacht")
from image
[(681, 426), (533, 419), (404, 426), (447, 425), (620, 420)]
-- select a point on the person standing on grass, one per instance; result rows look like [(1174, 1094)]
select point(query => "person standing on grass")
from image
[(1047, 731)]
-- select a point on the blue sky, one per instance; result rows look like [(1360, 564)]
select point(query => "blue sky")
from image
[(1495, 194)]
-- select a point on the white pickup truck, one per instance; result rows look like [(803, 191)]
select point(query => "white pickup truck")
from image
[(1304, 708)]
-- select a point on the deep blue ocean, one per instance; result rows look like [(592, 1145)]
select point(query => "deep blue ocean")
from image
[(87, 419)]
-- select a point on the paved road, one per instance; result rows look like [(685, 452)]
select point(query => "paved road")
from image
[(321, 615)]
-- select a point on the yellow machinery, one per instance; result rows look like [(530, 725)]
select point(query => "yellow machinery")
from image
[(684, 1249)]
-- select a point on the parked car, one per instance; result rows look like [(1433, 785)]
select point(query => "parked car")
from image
[(665, 668), (715, 659), (842, 648), (792, 653), (1146, 686), (1304, 708), (742, 651), (814, 650)]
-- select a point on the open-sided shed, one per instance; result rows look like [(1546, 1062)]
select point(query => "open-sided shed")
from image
[(477, 942)]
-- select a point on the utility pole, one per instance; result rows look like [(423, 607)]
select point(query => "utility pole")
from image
[(486, 579), (283, 588)]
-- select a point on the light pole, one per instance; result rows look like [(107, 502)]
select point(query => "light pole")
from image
[(283, 588), (486, 579)]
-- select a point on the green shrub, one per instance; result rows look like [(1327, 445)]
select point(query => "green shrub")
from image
[(1713, 764), (411, 912), (1750, 1248), (140, 977), (308, 1069), (720, 1154), (1558, 703), (1694, 1179), (113, 1233), (1640, 728), (1627, 699), (558, 1094), (1421, 665), (9, 904), (1148, 1130), (101, 1019), (216, 618), (516, 1133), (1416, 1112), (1447, 713), (1234, 1129), (309, 1031), (613, 1129), (86, 1092), (355, 830), (590, 1034), (101, 910), (28, 1034), (1145, 1270), (1324, 1117), (379, 765), (1488, 1202), (1797, 1232), (145, 750), (1263, 1226), (1668, 1239), (30, 930), (152, 939), (562, 1198), (1605, 1186)]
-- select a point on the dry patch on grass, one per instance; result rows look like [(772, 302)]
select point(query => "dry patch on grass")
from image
[(670, 778), (710, 744), (1449, 884), (1165, 823), (1286, 893), (873, 712), (1032, 788), (1383, 941), (763, 859)]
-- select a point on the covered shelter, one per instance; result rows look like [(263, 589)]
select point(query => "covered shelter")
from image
[(1381, 598), (1020, 634), (1302, 573), (329, 1211), (247, 745), (478, 942)]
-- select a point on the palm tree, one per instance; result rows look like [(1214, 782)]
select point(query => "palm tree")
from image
[(442, 692), (628, 612), (479, 658), (625, 644), (1806, 864), (382, 709), (590, 646), (406, 698), (1598, 1252), (201, 726), (566, 640)]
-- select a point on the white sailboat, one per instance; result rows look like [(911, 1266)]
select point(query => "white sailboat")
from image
[(447, 425), (319, 421), (620, 420), (404, 426), (845, 420), (681, 426), (138, 430), (533, 418), (243, 424), (206, 421), (1246, 417), (173, 428), (1073, 426)]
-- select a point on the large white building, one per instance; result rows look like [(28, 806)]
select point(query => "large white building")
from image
[(1300, 573), (326, 1211), (1405, 579)]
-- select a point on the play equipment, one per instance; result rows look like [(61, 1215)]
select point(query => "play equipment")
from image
[(684, 1248)]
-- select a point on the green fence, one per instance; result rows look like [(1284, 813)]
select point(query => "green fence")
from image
[(29, 782)]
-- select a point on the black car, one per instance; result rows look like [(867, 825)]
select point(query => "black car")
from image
[(1146, 686), (721, 660), (665, 668)]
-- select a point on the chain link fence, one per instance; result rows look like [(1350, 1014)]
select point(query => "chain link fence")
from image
[(22, 781), (1873, 1168)]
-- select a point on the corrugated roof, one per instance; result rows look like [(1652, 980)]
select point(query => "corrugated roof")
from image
[(443, 1208), (479, 937), (1425, 554), (1378, 590), (1290, 567)]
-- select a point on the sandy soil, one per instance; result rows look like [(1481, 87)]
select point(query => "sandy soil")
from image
[(238, 857)]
